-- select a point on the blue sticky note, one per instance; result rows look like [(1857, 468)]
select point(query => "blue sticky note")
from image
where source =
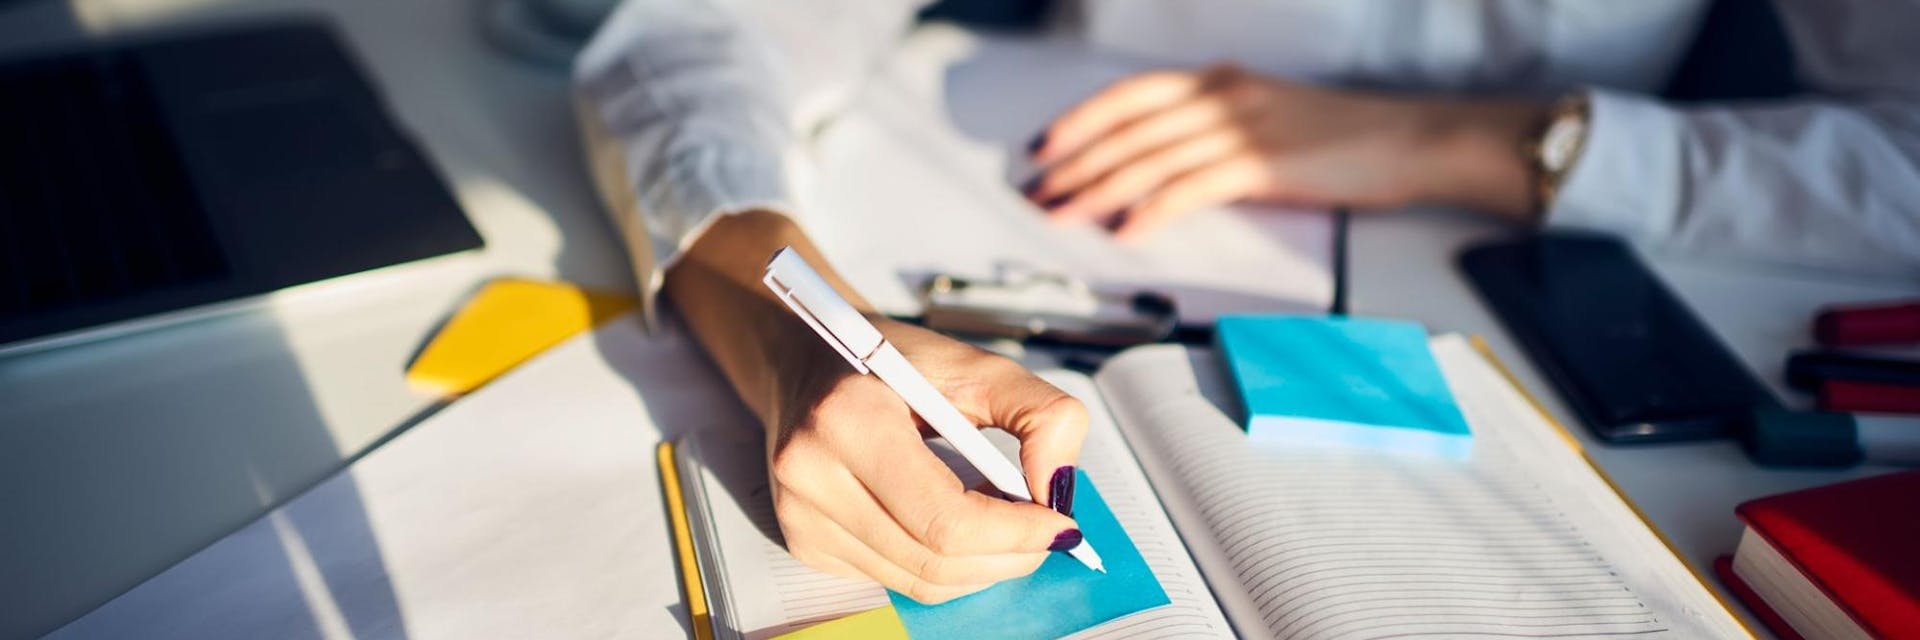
[(1351, 382), (1060, 598)]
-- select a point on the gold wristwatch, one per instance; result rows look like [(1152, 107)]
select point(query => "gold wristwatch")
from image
[(1557, 146)]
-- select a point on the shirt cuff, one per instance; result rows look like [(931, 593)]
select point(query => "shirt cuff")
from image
[(664, 194), (691, 188), (1627, 179), (695, 189)]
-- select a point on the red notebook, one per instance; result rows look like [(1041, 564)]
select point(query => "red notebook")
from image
[(1835, 561)]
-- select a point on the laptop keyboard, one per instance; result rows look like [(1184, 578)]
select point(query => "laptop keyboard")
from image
[(94, 201)]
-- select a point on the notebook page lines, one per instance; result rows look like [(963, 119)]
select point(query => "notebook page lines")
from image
[(808, 595), (1357, 546), (1190, 613), (1185, 616)]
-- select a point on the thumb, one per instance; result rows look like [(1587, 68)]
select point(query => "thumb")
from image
[(1051, 426)]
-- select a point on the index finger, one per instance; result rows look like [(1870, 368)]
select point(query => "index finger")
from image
[(1050, 424), (923, 495), (1113, 106)]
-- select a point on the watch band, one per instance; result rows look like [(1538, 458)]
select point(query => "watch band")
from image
[(1557, 146)]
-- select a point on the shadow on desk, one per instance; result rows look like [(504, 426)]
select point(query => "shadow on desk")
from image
[(96, 506), (682, 395)]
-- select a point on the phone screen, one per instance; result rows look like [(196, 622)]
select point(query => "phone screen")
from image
[(1630, 358)]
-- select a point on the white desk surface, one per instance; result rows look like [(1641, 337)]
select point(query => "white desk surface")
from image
[(121, 458)]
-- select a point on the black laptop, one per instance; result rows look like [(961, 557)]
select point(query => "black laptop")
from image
[(150, 179)]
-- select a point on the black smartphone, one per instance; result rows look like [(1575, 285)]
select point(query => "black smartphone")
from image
[(1630, 358)]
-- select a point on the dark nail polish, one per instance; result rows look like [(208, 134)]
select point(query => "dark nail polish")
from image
[(1114, 220), (1066, 540), (1031, 186), (1056, 201), (1060, 490), (1040, 140)]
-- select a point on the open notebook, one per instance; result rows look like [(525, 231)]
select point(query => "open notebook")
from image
[(1523, 540)]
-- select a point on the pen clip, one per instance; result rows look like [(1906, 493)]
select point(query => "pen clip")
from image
[(821, 307), (800, 309)]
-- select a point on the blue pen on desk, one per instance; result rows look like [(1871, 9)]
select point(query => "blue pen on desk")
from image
[(857, 340)]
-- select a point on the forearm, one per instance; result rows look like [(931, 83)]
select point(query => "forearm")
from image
[(717, 290), (690, 108)]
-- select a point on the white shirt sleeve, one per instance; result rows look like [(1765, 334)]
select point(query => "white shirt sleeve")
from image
[(1830, 180), (695, 109), (1810, 183)]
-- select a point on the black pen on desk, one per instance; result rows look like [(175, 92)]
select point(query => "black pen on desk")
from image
[(1342, 220), (1808, 369)]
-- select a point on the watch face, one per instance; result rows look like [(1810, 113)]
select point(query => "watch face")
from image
[(1560, 142)]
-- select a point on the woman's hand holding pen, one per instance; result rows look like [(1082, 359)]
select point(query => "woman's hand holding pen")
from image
[(1157, 145), (858, 492), (855, 487)]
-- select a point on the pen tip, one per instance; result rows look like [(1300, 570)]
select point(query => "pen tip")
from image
[(1085, 554)]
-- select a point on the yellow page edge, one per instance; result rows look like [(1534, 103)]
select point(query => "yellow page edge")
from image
[(1573, 442), (693, 590)]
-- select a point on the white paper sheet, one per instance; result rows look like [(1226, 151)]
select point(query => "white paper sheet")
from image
[(530, 509), (920, 176)]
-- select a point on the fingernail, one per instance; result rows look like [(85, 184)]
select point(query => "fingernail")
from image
[(1060, 490), (1055, 202), (1116, 219), (1066, 540), (1040, 140), (1031, 186)]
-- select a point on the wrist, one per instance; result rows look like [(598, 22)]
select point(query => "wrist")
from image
[(1479, 157), (771, 358)]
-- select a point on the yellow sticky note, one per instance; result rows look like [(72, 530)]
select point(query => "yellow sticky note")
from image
[(879, 624), (507, 322)]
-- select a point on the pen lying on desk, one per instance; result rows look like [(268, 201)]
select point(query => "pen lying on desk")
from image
[(1832, 439), (857, 340)]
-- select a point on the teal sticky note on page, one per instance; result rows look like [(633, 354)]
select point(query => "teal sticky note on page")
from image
[(1060, 598), (1350, 382)]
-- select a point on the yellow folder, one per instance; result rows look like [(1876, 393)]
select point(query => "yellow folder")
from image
[(508, 321)]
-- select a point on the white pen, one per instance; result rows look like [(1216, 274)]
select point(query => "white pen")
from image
[(857, 340)]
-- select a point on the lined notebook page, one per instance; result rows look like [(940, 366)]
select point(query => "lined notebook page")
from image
[(1523, 541), (757, 590)]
